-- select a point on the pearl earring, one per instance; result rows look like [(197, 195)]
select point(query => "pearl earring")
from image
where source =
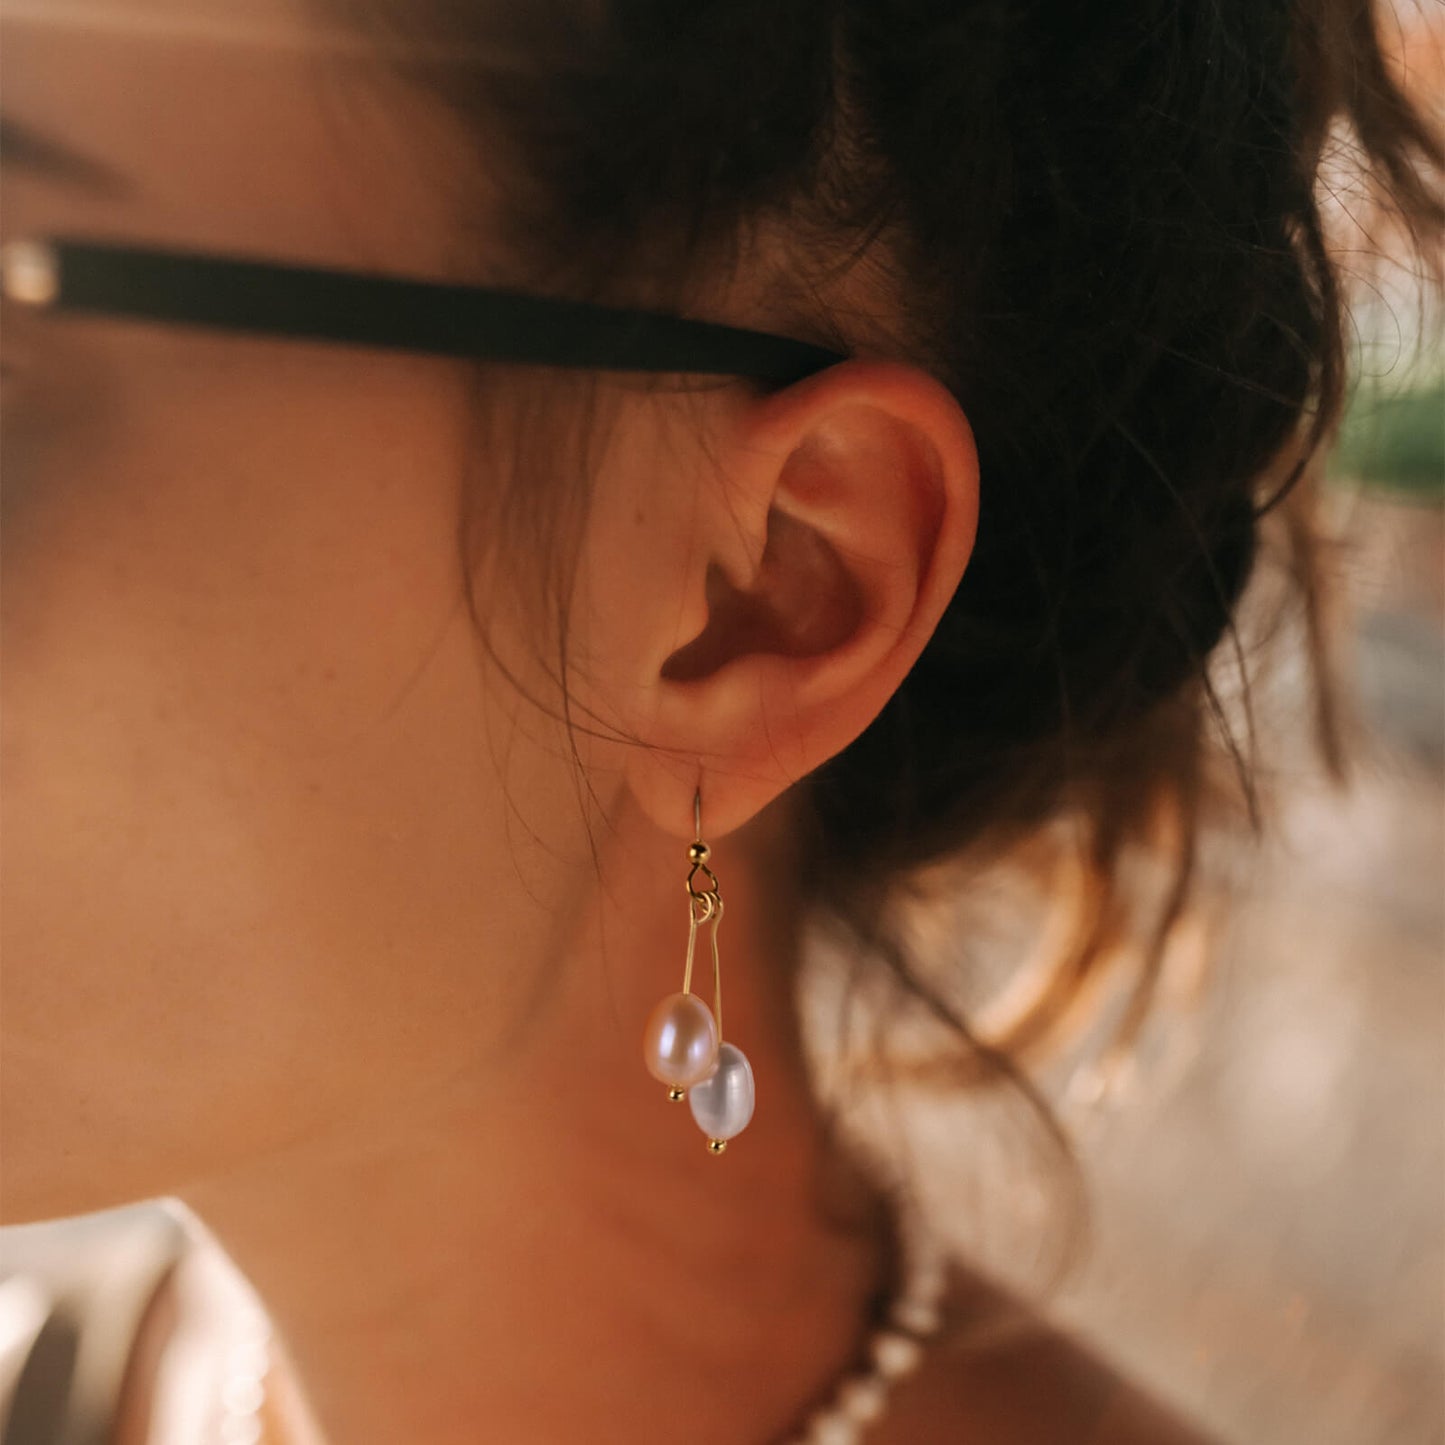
[(682, 1044)]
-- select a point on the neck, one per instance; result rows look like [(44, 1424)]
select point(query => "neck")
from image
[(545, 1246)]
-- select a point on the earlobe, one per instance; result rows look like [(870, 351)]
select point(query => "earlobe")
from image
[(862, 482)]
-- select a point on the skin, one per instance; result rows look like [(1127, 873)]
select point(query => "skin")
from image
[(302, 923), (309, 920)]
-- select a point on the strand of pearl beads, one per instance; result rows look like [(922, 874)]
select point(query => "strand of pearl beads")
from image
[(895, 1348)]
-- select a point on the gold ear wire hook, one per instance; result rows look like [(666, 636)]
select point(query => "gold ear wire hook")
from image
[(698, 852), (712, 908)]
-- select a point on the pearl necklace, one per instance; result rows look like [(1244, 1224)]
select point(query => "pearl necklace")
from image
[(895, 1348)]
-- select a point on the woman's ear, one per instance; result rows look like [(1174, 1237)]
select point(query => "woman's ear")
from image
[(828, 527)]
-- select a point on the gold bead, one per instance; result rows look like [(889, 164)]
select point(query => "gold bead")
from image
[(716, 1146), (698, 852), (675, 1094)]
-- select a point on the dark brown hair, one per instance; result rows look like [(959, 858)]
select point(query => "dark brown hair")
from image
[(1102, 230)]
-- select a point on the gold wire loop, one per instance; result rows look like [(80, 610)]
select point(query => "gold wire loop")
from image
[(707, 893), (700, 909), (716, 967), (704, 905)]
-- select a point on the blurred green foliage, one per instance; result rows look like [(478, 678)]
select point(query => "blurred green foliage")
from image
[(1395, 439)]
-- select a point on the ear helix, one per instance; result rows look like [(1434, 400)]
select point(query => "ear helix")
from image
[(682, 1044)]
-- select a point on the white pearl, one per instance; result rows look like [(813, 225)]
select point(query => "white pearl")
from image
[(722, 1103), (680, 1043), (829, 1428), (895, 1354), (928, 1278), (917, 1315), (864, 1398)]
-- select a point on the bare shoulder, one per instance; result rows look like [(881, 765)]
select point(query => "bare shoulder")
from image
[(1009, 1378)]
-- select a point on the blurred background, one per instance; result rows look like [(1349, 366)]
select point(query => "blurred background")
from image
[(1267, 1175), (1268, 1172)]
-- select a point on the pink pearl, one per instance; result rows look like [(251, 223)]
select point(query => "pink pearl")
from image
[(680, 1045)]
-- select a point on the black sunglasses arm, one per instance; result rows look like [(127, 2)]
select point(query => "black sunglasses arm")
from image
[(242, 294)]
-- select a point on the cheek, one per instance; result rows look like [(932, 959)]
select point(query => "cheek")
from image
[(240, 533), (208, 609), (59, 417)]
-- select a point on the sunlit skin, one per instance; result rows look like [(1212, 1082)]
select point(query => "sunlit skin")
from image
[(309, 920), (302, 924)]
